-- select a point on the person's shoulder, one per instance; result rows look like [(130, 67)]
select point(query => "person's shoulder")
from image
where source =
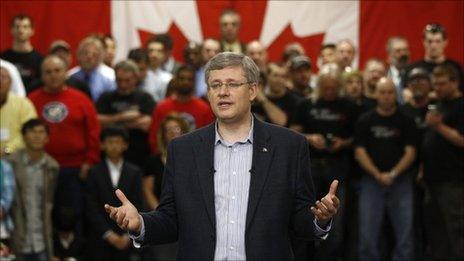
[(200, 102), (131, 167), (51, 162), (106, 71), (165, 103), (453, 63), (163, 75), (77, 94), (73, 71), (198, 134), (36, 94), (6, 54), (278, 132)]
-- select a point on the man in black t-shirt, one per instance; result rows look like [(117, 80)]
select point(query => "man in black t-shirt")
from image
[(275, 103), (129, 107), (385, 143), (22, 53), (327, 123), (435, 40), (443, 160)]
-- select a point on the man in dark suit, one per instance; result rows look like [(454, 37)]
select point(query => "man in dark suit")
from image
[(235, 189), (106, 240)]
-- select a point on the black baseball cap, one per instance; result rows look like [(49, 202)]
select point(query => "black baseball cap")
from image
[(300, 61)]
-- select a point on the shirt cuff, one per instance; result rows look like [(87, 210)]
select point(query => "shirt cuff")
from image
[(322, 233), (138, 239)]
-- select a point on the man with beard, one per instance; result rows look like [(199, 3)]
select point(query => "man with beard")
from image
[(398, 57), (129, 107), (443, 151), (196, 111)]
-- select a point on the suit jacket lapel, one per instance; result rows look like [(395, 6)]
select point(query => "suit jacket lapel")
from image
[(263, 151), (204, 160), (107, 177), (123, 179)]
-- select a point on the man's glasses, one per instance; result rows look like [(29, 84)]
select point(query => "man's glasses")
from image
[(229, 85)]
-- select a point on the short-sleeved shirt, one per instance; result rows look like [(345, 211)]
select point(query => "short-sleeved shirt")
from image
[(28, 64), (113, 103), (444, 161), (385, 137)]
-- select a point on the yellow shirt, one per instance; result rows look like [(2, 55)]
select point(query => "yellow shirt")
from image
[(13, 114)]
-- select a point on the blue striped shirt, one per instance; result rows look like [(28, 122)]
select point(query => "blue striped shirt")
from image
[(232, 164)]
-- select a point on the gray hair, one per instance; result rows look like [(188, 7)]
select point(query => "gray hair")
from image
[(393, 39), (231, 59), (91, 40), (127, 66), (330, 72)]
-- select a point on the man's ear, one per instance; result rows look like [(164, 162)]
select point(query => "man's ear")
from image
[(253, 91)]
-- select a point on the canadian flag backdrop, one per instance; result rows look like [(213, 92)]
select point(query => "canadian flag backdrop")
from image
[(275, 23)]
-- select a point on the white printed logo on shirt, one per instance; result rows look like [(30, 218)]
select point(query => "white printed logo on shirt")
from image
[(55, 112)]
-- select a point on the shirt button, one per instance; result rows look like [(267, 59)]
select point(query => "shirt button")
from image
[(232, 222), (233, 197), (235, 150), (232, 248), (233, 172)]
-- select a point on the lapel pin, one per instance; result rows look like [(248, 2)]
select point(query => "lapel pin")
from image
[(264, 150)]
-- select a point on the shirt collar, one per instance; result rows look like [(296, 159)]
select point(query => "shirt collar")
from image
[(218, 139), (27, 160), (117, 166)]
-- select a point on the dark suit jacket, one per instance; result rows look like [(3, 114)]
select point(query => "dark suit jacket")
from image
[(279, 200), (100, 191)]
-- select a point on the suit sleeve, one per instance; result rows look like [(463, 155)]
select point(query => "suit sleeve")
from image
[(303, 218), (94, 210), (161, 224)]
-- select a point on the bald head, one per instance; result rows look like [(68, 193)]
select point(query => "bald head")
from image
[(53, 73), (257, 52), (385, 94), (209, 49)]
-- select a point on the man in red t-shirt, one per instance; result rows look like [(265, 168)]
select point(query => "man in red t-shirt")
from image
[(74, 131), (196, 111)]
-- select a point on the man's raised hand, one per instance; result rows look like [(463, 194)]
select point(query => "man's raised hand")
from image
[(327, 207), (126, 216)]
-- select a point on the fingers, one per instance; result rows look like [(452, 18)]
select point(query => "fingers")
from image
[(111, 210), (122, 197), (120, 218), (333, 188), (125, 224)]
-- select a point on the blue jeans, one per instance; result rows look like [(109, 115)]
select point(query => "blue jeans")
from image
[(397, 201)]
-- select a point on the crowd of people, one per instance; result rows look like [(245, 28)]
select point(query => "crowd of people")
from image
[(392, 134)]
